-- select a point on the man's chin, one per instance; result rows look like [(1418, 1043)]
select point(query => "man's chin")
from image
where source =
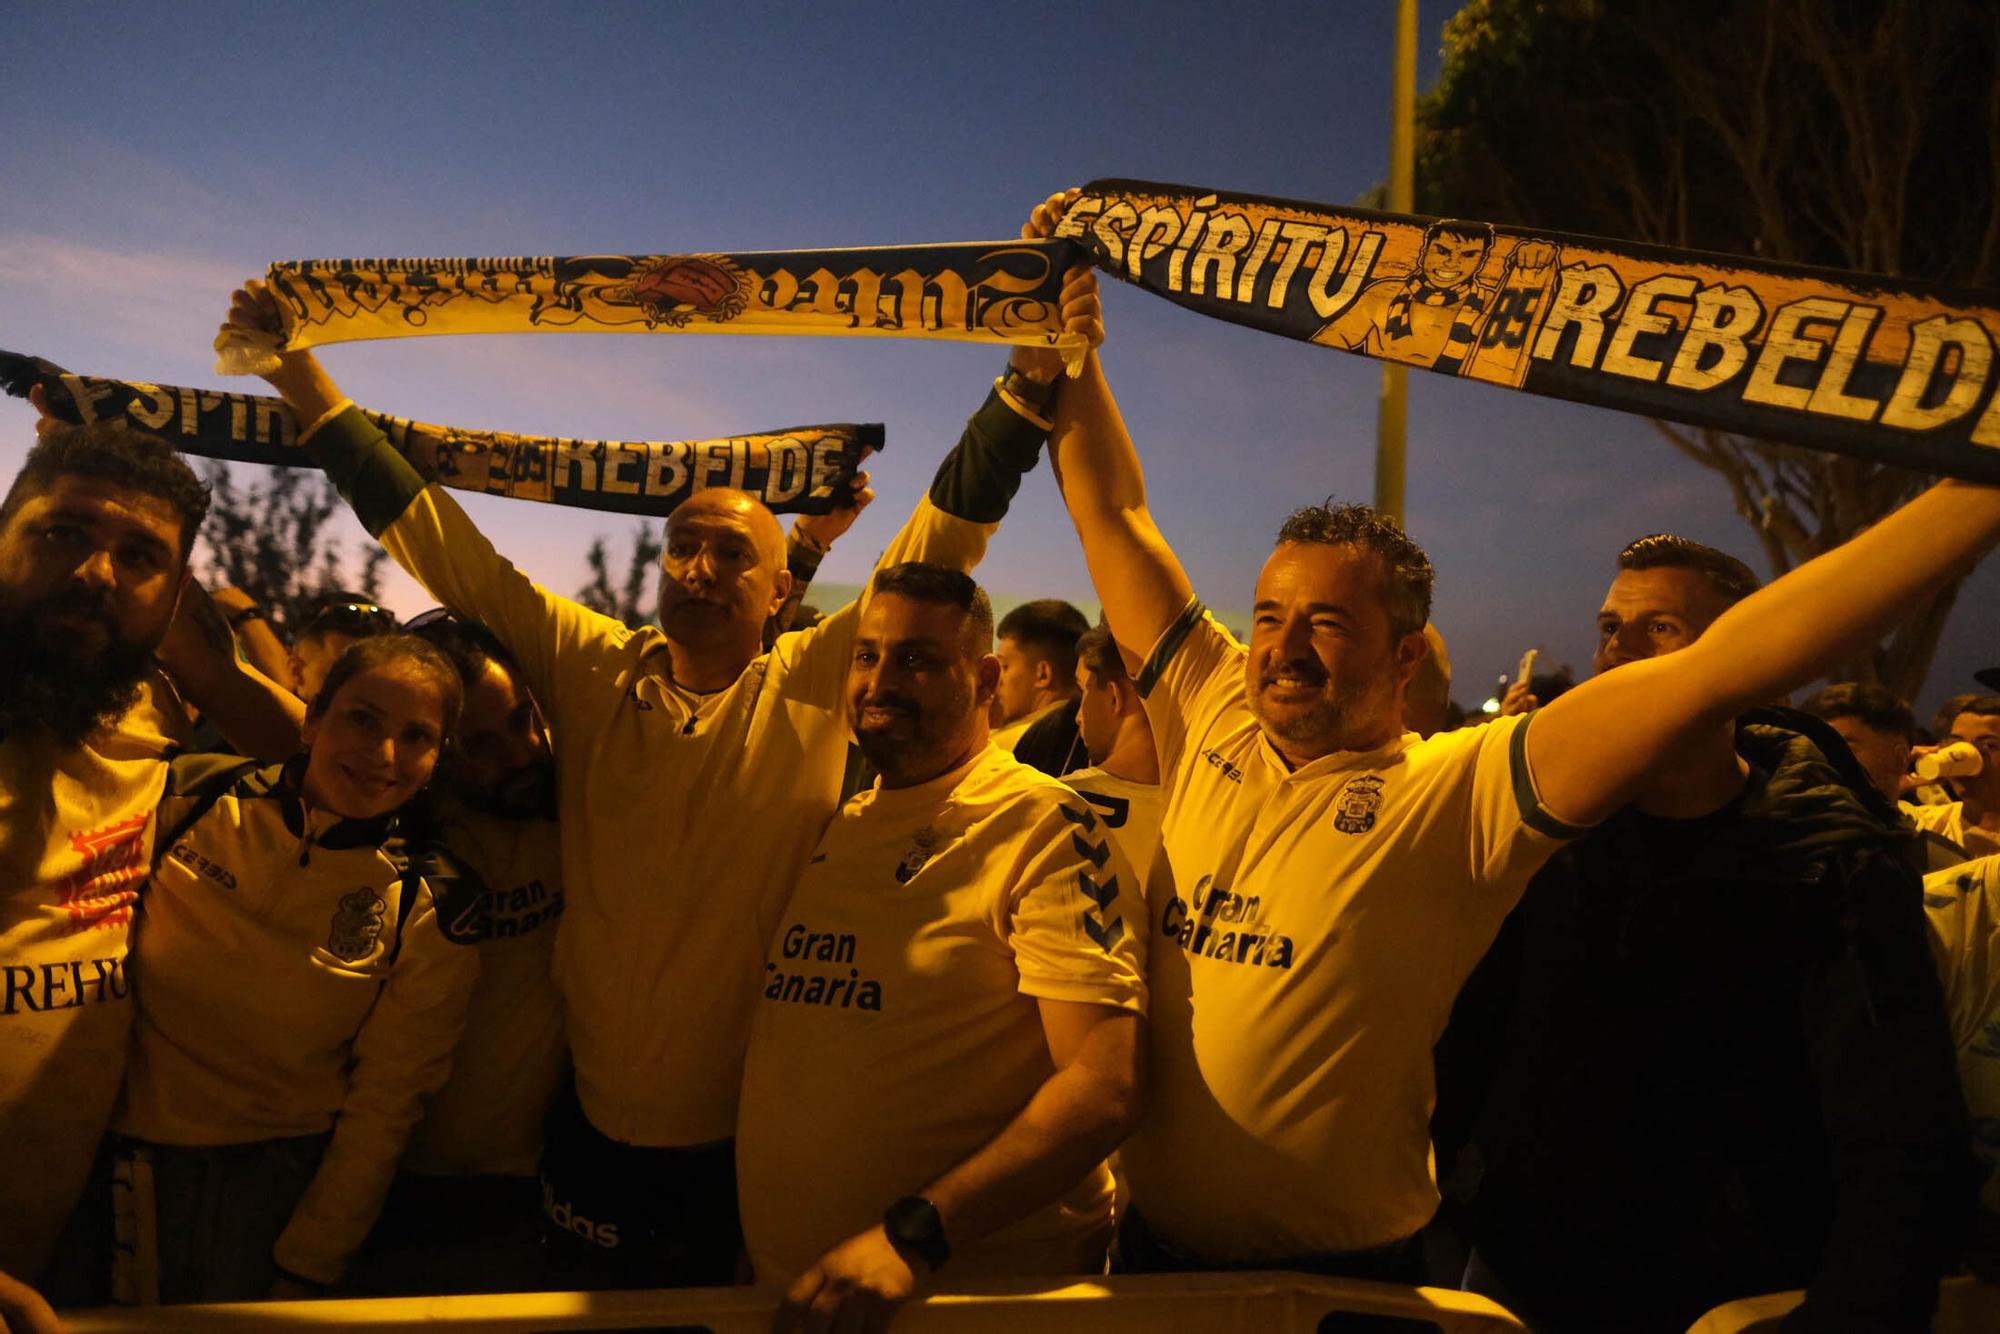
[(885, 745), (892, 737), (1312, 726), (694, 613), (71, 706)]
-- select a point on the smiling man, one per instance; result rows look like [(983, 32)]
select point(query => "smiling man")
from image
[(951, 1034), (1330, 880)]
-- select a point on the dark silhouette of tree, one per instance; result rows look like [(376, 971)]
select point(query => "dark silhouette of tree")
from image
[(630, 600), (269, 538), (1859, 134)]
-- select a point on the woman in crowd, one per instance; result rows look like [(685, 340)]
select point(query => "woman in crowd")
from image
[(297, 994)]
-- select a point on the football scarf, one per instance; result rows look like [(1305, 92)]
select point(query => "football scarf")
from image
[(1888, 369), (990, 292), (800, 470)]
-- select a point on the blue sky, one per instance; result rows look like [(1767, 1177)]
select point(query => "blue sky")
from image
[(154, 156)]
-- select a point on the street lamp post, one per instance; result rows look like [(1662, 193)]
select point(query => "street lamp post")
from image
[(1392, 416)]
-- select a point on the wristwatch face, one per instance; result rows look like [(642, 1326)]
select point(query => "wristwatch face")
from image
[(913, 1222)]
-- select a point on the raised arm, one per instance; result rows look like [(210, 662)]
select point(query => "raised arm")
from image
[(972, 488), (1591, 749), (1138, 578), (429, 535), (255, 714), (255, 639), (812, 536)]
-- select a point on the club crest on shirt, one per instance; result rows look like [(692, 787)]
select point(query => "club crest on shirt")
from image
[(1354, 809), (921, 848), (357, 923)]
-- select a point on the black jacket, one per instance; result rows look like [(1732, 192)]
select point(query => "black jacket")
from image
[(1722, 1063)]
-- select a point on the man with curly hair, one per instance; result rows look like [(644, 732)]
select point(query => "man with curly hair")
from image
[(95, 533)]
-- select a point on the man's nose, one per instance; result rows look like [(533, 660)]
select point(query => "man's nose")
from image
[(97, 570), (1294, 639), (700, 568), (1625, 644)]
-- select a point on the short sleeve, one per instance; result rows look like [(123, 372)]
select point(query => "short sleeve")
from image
[(1511, 832), (1193, 672), (1077, 924)]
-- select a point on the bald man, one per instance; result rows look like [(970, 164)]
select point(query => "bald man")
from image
[(695, 773)]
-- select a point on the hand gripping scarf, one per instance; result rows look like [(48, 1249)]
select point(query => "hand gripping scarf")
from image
[(801, 470), (1887, 369), (988, 292)]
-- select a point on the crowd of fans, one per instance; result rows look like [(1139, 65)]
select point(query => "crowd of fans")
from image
[(515, 948)]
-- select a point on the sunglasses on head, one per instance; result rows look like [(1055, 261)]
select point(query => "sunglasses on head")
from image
[(352, 618), (425, 619)]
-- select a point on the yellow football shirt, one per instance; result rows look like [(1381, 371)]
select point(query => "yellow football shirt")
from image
[(685, 818), (1948, 822), (1311, 929), (279, 996), (76, 839), (1963, 908), (1131, 811), (511, 1060), (898, 1030)]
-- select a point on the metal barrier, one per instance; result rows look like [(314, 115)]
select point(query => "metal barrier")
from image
[(1965, 1306), (1253, 1303)]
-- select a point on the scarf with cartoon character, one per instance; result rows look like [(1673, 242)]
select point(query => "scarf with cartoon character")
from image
[(1895, 370)]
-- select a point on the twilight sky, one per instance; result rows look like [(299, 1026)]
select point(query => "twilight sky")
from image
[(155, 156)]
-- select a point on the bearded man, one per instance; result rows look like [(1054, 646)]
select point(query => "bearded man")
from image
[(95, 533)]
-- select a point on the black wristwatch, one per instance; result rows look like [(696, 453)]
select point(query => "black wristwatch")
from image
[(1032, 393), (913, 1225), (236, 618)]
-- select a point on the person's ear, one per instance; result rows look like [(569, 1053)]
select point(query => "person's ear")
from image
[(1045, 674), (1411, 651), (781, 589), (985, 680)]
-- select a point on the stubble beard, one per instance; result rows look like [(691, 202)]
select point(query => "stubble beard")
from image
[(1317, 730), (916, 743)]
